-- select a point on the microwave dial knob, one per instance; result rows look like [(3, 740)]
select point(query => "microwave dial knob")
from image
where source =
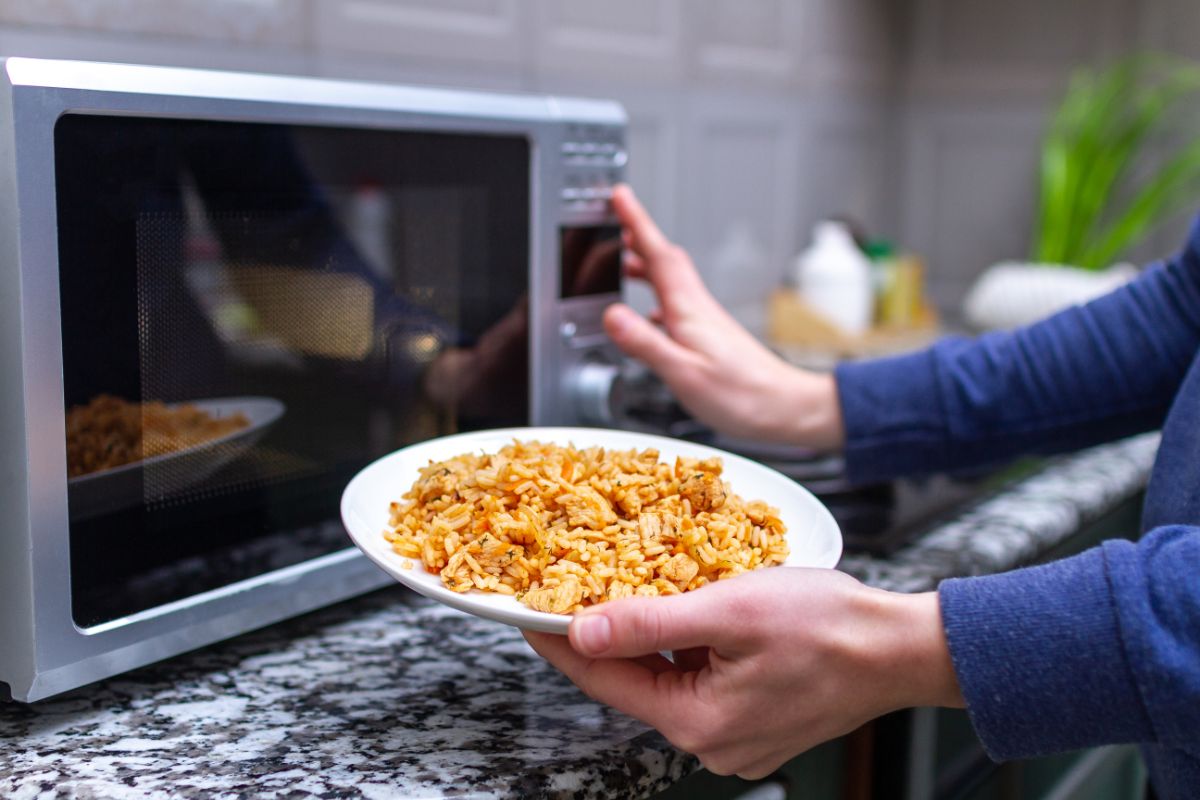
[(595, 390)]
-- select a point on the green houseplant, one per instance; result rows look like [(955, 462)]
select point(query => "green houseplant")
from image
[(1113, 163), (1119, 158)]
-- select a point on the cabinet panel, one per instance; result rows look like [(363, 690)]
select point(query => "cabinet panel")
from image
[(621, 39), (739, 194), (971, 193), (200, 53), (746, 39), (1170, 25), (1023, 47), (491, 31), (846, 172), (234, 21), (852, 43)]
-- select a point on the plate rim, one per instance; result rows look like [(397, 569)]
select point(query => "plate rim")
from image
[(531, 619), (280, 408)]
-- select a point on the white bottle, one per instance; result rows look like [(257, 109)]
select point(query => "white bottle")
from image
[(369, 227), (834, 277)]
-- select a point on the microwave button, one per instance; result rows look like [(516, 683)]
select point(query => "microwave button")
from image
[(583, 206)]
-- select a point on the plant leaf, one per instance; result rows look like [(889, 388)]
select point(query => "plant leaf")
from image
[(1100, 130)]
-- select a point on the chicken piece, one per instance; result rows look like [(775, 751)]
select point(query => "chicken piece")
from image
[(493, 554), (435, 484), (703, 490), (679, 570), (686, 466), (630, 502), (587, 508), (650, 526), (558, 599), (670, 529), (619, 589), (665, 587), (649, 457), (457, 573)]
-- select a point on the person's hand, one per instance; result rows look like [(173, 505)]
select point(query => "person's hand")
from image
[(766, 665), (719, 372), (463, 379)]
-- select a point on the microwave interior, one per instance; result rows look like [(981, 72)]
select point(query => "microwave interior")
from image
[(253, 312)]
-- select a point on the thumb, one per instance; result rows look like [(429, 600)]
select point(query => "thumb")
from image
[(638, 338), (641, 626)]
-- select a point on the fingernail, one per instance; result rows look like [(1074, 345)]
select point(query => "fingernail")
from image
[(593, 632)]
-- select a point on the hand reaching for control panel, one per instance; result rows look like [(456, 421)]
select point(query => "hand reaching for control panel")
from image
[(719, 372)]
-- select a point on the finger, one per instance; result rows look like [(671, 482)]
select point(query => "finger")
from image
[(691, 660), (656, 316), (746, 760), (635, 266), (645, 237), (554, 648), (654, 662), (668, 268), (637, 626), (624, 684), (767, 766), (639, 338)]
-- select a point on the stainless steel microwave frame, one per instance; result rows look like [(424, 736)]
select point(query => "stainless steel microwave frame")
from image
[(576, 152)]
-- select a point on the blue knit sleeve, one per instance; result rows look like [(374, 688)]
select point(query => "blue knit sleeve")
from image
[(1089, 374), (1100, 648)]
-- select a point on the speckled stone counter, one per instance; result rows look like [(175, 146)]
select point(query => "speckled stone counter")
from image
[(391, 696), (387, 696), (1020, 523)]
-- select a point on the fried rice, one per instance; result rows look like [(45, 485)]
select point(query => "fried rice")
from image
[(563, 528), (111, 431)]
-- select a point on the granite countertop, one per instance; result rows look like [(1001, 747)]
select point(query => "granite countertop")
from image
[(392, 695)]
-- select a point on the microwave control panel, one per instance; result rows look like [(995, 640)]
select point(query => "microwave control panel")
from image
[(593, 160)]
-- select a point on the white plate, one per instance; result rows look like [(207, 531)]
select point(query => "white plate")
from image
[(812, 534), (127, 485)]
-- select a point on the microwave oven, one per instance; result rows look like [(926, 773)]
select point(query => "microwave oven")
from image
[(222, 294)]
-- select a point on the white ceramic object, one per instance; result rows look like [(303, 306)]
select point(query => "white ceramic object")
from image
[(834, 277), (812, 534), (126, 486), (1011, 294)]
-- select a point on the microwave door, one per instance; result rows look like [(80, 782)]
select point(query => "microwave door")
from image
[(252, 312)]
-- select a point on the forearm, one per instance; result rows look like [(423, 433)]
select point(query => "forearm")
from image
[(1101, 648), (905, 648), (1089, 374), (807, 411)]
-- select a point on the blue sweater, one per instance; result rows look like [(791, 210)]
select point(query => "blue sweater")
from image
[(1103, 647)]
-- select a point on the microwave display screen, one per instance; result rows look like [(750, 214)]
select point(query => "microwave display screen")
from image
[(251, 314), (591, 260)]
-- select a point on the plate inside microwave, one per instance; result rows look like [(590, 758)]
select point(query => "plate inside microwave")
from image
[(813, 537), (132, 484)]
